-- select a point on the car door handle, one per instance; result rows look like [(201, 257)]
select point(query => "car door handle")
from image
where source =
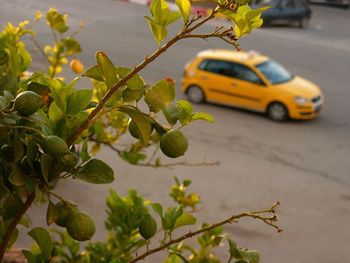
[(233, 84), (204, 77)]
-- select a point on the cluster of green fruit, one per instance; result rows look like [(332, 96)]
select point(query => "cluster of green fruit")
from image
[(173, 143), (78, 224), (33, 162)]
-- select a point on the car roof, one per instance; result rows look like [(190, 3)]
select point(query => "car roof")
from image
[(246, 57)]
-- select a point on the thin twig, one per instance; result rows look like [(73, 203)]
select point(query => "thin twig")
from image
[(153, 154), (14, 223), (230, 220), (38, 46), (169, 165)]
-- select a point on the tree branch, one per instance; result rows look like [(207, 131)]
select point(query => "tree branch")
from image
[(169, 165), (138, 68), (230, 220), (14, 223)]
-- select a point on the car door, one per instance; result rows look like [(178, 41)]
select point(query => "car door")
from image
[(247, 88), (215, 76)]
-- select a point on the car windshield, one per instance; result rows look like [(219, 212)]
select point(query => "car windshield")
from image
[(274, 72)]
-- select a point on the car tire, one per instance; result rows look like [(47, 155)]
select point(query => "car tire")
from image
[(277, 112), (195, 94), (304, 22)]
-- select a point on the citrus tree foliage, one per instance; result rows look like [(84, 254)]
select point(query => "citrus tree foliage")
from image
[(50, 131)]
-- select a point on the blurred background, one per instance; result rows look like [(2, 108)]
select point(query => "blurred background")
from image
[(303, 164)]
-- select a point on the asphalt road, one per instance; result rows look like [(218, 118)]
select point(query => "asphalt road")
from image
[(303, 164)]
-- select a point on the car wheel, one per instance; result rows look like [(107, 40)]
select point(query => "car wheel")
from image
[(277, 112), (304, 22), (195, 94)]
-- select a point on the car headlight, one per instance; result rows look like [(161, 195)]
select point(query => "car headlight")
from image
[(300, 100)]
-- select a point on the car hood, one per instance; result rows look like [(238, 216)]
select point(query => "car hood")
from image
[(300, 87)]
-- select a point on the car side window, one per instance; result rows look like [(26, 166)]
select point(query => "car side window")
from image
[(230, 69), (287, 3), (299, 3), (244, 73), (218, 67)]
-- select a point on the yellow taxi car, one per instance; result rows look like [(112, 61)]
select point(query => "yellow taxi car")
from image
[(251, 81)]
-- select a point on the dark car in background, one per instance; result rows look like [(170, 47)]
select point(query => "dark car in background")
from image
[(285, 12), (341, 3)]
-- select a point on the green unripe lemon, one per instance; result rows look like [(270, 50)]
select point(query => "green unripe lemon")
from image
[(80, 226), (64, 211), (55, 146), (174, 144), (133, 129), (27, 103), (148, 227)]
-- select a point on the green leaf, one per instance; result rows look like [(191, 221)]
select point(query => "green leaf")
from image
[(61, 92), (158, 209), (135, 82), (17, 177), (96, 172), (173, 16), (24, 222), (133, 157), (185, 219), (15, 62), (44, 240), (52, 213), (94, 73), (252, 256), (84, 154), (107, 69), (25, 56), (185, 105), (202, 116), (130, 95), (160, 11), (13, 238), (185, 109), (185, 9), (159, 32), (187, 182), (160, 95), (233, 250), (46, 165), (18, 148), (29, 256), (78, 101), (55, 112), (72, 45), (178, 254), (143, 123), (40, 196), (56, 21), (171, 113), (171, 216)]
